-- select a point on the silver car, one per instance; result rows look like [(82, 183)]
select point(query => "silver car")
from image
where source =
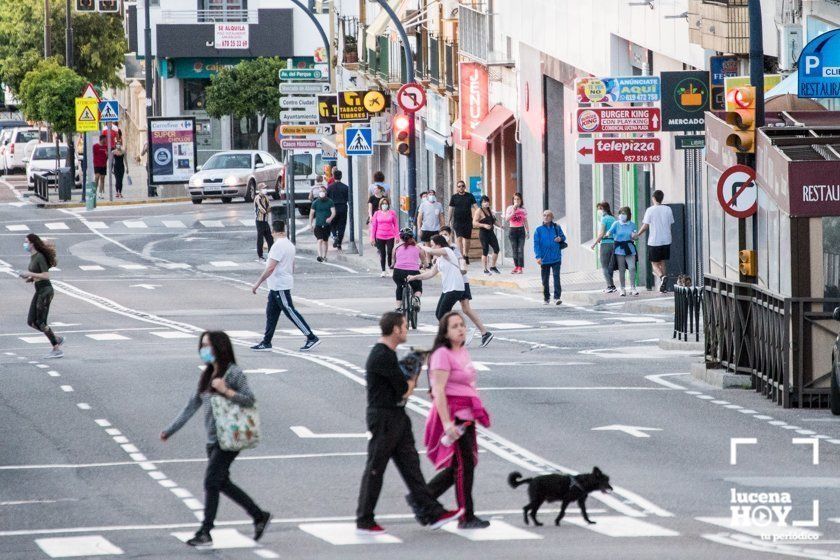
[(235, 173)]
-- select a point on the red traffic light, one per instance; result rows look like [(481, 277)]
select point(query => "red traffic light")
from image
[(401, 123)]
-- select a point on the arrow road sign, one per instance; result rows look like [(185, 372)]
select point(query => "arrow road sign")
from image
[(624, 119), (109, 110), (737, 192), (618, 150), (305, 130), (305, 88), (586, 151), (635, 431), (411, 97), (358, 141), (305, 74)]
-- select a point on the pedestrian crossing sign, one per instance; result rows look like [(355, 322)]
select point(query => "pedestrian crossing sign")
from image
[(87, 114), (109, 110), (358, 141)]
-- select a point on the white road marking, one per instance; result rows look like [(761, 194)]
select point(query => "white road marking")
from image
[(102, 422), (223, 264), (135, 224), (248, 223), (146, 286), (53, 373), (33, 502), (91, 267), (83, 406), (569, 323), (174, 266), (639, 320), (18, 227), (265, 553), (133, 266), (107, 336), (67, 388), (596, 388), (265, 371), (129, 448), (344, 268), (757, 531), (244, 334), (113, 432), (211, 223), (621, 526), (56, 226), (341, 534), (367, 330), (171, 334), (193, 504), (480, 366), (34, 339), (635, 431), (507, 326), (181, 492), (73, 547), (157, 475), (120, 439), (97, 225), (174, 224), (306, 433), (497, 531), (222, 539)]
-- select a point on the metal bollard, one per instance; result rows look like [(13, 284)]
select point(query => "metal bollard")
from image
[(90, 195)]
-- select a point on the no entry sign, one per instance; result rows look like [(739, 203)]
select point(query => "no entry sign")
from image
[(619, 150), (737, 191), (625, 119)]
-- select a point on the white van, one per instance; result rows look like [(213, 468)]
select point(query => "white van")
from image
[(307, 167)]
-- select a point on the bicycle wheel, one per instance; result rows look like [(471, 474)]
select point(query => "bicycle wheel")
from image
[(406, 304), (413, 319)]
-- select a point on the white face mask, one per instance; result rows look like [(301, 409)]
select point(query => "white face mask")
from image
[(263, 191), (622, 218), (600, 213), (431, 198), (322, 194), (385, 207)]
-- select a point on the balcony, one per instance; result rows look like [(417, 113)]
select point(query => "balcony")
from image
[(210, 16), (473, 31), (719, 25)]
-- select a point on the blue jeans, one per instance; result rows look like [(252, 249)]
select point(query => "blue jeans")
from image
[(554, 270), (281, 302)]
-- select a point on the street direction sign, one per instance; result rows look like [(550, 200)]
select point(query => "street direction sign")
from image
[(618, 150), (109, 110), (690, 142), (629, 89), (87, 114), (306, 112), (299, 144), (301, 74), (300, 102), (411, 97), (304, 88), (625, 119), (737, 191), (305, 130), (358, 141)]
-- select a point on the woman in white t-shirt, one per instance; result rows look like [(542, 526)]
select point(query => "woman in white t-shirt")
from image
[(452, 279)]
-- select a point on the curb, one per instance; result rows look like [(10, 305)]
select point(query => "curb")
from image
[(720, 378), (111, 203), (690, 346)]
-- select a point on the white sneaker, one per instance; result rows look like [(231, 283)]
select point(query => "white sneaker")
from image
[(383, 274), (623, 292), (634, 293)]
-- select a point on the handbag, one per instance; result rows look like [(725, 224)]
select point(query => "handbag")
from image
[(237, 427), (563, 243)]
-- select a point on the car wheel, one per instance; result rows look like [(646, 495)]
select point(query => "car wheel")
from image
[(276, 194), (227, 199), (197, 200), (303, 210), (835, 391), (250, 190)]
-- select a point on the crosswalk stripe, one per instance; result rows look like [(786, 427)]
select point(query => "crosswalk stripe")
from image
[(244, 334), (56, 225), (622, 526), (366, 330), (172, 334), (73, 547), (18, 227), (569, 323), (223, 264), (91, 267), (507, 326), (480, 367), (639, 320), (135, 224), (34, 339), (133, 266), (222, 539), (97, 225), (175, 266), (107, 336), (174, 224), (211, 223), (345, 534), (497, 531), (248, 223)]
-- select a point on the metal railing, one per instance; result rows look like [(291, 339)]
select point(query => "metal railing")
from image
[(210, 16), (42, 186), (473, 29), (688, 301)]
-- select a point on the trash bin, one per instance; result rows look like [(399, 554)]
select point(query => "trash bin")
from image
[(280, 212), (90, 195), (65, 183)]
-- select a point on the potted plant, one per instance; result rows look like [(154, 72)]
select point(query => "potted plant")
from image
[(351, 49)]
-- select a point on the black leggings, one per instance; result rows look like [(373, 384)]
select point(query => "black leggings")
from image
[(446, 302), (517, 245), (217, 480), (488, 240), (385, 248), (39, 310), (460, 473), (399, 279)]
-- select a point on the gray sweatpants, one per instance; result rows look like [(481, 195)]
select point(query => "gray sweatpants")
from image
[(607, 250), (626, 263)]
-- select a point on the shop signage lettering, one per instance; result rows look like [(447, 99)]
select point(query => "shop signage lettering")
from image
[(473, 96), (629, 89)]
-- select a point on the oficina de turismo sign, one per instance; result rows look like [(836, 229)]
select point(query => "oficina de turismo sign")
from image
[(819, 66)]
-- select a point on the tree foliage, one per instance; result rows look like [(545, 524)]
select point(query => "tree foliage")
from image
[(246, 90), (99, 43), (47, 94)]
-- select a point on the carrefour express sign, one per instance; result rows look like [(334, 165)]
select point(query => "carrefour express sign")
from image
[(819, 66)]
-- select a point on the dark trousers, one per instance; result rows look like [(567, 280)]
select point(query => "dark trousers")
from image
[(39, 310), (339, 223), (217, 480), (392, 439), (446, 302), (281, 302), (460, 473), (119, 175), (517, 245), (552, 269), (386, 249), (263, 234)]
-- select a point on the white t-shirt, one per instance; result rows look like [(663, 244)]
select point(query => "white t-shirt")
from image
[(450, 272), (431, 215), (659, 219), (284, 253), (459, 256)]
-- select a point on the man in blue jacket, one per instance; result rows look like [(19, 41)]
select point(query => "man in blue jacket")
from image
[(547, 240)]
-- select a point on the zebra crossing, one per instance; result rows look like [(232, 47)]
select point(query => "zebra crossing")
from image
[(135, 225)]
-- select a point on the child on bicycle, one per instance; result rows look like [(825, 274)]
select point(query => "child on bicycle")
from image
[(407, 263)]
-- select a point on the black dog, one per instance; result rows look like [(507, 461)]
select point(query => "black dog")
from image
[(560, 487)]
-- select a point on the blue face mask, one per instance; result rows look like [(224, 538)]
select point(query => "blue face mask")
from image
[(26, 246), (622, 218), (206, 355)]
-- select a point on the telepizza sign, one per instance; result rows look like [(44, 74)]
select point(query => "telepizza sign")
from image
[(473, 97)]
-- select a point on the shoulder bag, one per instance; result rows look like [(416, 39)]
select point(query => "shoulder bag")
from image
[(563, 244), (237, 427)]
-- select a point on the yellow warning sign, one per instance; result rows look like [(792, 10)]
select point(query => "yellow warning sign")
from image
[(87, 114)]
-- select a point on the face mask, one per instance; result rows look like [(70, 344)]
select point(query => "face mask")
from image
[(431, 198), (26, 246), (206, 355), (385, 207), (263, 191), (600, 213), (322, 194), (622, 218)]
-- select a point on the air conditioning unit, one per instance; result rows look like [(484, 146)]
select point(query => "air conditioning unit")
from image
[(790, 46)]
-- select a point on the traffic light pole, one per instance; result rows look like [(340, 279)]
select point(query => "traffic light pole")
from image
[(409, 70), (151, 190), (321, 32)]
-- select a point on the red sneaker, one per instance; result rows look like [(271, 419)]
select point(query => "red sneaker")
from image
[(446, 517), (374, 529)]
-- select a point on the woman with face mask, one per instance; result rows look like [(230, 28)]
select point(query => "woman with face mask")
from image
[(622, 232), (517, 218), (321, 215), (384, 229), (221, 376), (118, 167), (485, 220), (41, 259), (606, 220)]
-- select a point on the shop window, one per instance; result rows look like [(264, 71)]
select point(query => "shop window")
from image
[(194, 94), (831, 257), (246, 133), (612, 186)]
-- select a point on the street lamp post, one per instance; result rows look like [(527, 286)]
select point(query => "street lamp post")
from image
[(151, 190), (321, 32)]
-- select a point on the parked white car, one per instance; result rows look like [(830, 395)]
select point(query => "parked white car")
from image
[(43, 161), (235, 173), (15, 141)]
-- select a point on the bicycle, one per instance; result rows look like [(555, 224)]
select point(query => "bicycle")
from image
[(410, 307)]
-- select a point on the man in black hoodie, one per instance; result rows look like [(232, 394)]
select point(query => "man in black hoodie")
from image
[(339, 193)]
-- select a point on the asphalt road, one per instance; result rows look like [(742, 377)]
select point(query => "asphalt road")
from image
[(83, 473)]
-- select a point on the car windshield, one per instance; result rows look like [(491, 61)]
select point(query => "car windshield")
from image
[(48, 152), (27, 135), (228, 161)]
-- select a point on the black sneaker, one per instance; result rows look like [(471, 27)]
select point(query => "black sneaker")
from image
[(486, 338), (310, 344), (319, 259), (260, 525), (446, 517), (261, 347), (558, 301), (494, 269), (663, 285), (59, 341), (201, 539), (474, 523)]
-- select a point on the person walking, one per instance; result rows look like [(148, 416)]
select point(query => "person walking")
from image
[(321, 215), (118, 167), (279, 278), (461, 207), (388, 390), (100, 163), (430, 219), (456, 408), (658, 220), (452, 278), (407, 263), (220, 376), (339, 193), (485, 220), (373, 201), (384, 229), (379, 181), (549, 241), (262, 210), (607, 250), (517, 219), (41, 259), (623, 231)]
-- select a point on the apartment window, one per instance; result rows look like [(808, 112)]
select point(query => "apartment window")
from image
[(226, 10), (194, 94)]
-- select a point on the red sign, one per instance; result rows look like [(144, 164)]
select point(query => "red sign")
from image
[(619, 150), (473, 97), (411, 97), (737, 192), (625, 119), (814, 188)]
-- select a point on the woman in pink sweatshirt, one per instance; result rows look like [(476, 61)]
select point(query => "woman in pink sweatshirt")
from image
[(384, 229)]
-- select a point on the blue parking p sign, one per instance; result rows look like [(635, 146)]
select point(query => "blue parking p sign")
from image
[(819, 66), (358, 141)]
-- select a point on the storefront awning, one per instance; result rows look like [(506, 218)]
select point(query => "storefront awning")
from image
[(487, 129), (456, 136), (788, 86), (381, 22)]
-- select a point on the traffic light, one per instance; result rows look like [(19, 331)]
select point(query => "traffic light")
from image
[(85, 5), (746, 263), (401, 134), (109, 6), (742, 120)]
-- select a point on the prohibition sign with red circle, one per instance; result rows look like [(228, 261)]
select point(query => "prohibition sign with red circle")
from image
[(411, 97), (737, 191)]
